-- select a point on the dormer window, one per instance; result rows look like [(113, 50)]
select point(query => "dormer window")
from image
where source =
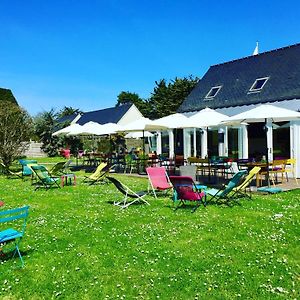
[(258, 85), (213, 92)]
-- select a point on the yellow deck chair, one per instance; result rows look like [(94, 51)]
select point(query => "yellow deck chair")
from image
[(290, 167), (97, 176), (242, 188)]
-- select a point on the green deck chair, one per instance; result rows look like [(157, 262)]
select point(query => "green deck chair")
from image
[(224, 193), (60, 168), (44, 179), (14, 234)]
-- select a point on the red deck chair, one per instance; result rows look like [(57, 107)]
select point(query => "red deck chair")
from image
[(158, 179), (186, 190)]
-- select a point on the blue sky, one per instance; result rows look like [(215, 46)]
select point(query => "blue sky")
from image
[(84, 53)]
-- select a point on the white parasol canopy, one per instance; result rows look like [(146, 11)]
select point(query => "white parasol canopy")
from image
[(173, 121), (67, 130), (142, 124), (138, 134), (89, 128), (206, 117), (263, 112), (266, 113), (94, 128)]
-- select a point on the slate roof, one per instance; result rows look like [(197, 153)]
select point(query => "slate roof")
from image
[(7, 95), (66, 119), (236, 77), (112, 114)]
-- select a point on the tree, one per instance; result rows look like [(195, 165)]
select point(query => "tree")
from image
[(167, 97), (44, 125), (128, 97), (67, 111), (16, 128), (48, 122)]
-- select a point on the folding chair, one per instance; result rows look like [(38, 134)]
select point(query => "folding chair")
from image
[(242, 188), (12, 234), (44, 179), (5, 170), (225, 190), (60, 168), (128, 193), (97, 176), (186, 190), (26, 170), (191, 171), (158, 179)]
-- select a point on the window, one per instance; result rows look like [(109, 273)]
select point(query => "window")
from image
[(258, 85), (213, 92)]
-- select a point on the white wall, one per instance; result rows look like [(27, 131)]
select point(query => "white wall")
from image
[(131, 115)]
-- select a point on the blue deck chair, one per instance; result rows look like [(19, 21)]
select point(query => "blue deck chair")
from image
[(26, 170), (16, 233), (224, 193)]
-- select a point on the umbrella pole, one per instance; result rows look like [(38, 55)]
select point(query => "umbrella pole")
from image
[(267, 154), (144, 143)]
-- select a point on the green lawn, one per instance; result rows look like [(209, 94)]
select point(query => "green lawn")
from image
[(79, 246)]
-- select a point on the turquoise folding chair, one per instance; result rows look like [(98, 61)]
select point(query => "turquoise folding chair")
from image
[(11, 234), (224, 193), (26, 170)]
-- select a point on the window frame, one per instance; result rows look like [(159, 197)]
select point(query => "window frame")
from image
[(207, 97), (253, 90)]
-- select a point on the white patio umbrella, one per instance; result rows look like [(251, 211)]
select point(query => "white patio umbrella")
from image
[(172, 121), (138, 134), (142, 124), (89, 128), (67, 129), (206, 117), (265, 113)]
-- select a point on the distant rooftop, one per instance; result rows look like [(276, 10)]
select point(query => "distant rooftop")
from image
[(107, 115)]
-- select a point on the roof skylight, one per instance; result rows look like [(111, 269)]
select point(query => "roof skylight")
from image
[(258, 85), (213, 92)]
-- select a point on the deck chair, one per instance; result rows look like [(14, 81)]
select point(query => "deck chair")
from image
[(128, 193), (97, 176), (191, 171), (158, 180), (186, 190), (224, 192), (44, 178), (26, 170), (16, 233), (60, 168), (241, 189), (5, 170)]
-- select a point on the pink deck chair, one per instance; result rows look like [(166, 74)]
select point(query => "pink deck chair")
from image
[(158, 179)]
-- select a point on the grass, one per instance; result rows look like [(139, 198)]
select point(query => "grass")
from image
[(79, 246)]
